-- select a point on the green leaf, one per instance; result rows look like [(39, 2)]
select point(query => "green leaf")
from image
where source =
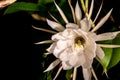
[(106, 60), (21, 6), (108, 54), (112, 55), (49, 75), (116, 54), (68, 74), (45, 1)]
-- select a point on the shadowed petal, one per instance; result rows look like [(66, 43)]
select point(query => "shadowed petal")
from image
[(60, 47), (61, 13), (85, 25), (55, 26), (88, 63), (66, 66), (107, 36), (90, 48), (53, 65), (78, 13), (77, 60), (86, 73), (100, 52), (102, 21)]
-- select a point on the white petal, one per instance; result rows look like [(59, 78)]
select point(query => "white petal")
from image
[(91, 9), (66, 54), (90, 48), (46, 30), (51, 48), (61, 46), (53, 65), (88, 63), (44, 42), (102, 21), (98, 12), (86, 73), (66, 66), (107, 36), (72, 25), (55, 26), (109, 45), (85, 25), (72, 10), (100, 52), (75, 73), (66, 34), (58, 72), (78, 13), (58, 36), (77, 60), (92, 35), (61, 13)]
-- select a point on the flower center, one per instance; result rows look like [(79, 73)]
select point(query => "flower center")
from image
[(79, 42)]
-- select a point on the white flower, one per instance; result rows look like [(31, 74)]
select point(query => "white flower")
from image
[(75, 44)]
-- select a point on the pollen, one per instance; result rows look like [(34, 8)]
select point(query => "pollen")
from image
[(79, 42)]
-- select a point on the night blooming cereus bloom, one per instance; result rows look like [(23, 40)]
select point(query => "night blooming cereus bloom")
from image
[(75, 44)]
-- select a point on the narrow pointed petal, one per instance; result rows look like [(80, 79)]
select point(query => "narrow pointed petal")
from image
[(75, 73), (61, 13), (100, 52), (107, 36), (45, 30), (91, 9), (72, 10), (51, 48), (55, 26), (98, 12), (53, 65), (93, 73), (109, 46), (102, 21), (53, 17), (78, 13), (85, 25), (44, 42), (59, 70), (86, 73)]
